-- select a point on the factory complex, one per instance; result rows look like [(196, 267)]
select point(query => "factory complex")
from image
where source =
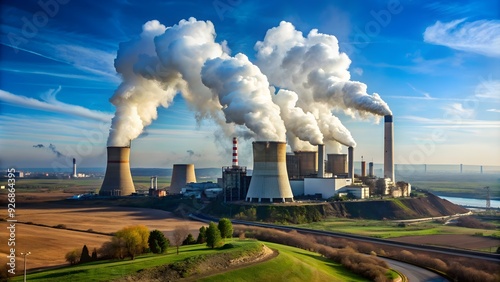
[(277, 176)]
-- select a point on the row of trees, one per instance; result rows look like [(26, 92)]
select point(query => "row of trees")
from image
[(135, 240)]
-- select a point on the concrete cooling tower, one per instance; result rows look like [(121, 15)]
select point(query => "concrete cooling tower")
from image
[(118, 179), (182, 174), (269, 182)]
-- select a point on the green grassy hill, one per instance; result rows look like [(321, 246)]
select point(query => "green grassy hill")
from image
[(291, 264)]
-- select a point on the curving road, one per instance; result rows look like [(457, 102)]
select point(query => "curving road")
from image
[(414, 273)]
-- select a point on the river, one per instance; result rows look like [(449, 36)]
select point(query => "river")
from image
[(472, 202)]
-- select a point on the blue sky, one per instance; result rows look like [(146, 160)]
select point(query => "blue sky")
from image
[(434, 62)]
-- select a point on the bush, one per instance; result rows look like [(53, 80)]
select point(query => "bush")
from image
[(202, 235), (73, 256), (60, 226), (189, 240), (472, 222), (214, 238)]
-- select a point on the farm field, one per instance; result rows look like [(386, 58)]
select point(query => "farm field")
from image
[(423, 232)]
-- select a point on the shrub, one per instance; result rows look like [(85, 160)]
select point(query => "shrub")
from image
[(472, 222), (189, 240), (157, 242), (73, 256), (60, 226), (202, 235)]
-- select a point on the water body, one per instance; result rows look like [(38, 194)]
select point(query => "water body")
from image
[(472, 202)]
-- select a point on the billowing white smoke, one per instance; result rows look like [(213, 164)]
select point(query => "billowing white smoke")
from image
[(137, 97), (235, 93), (299, 124), (244, 94), (314, 68)]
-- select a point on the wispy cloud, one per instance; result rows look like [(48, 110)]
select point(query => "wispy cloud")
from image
[(458, 110), (425, 94), (481, 37), (449, 123), (53, 105), (493, 110), (488, 89)]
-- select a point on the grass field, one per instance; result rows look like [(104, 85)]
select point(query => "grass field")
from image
[(291, 264), (389, 229)]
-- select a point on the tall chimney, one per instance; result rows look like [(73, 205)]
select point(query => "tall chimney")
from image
[(182, 174), (363, 168), (350, 171), (269, 181), (74, 168), (152, 184), (370, 169), (118, 179), (321, 160), (235, 152), (389, 148)]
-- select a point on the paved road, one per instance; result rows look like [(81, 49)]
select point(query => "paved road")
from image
[(414, 273)]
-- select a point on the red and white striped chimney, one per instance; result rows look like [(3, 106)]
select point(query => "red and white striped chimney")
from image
[(235, 152)]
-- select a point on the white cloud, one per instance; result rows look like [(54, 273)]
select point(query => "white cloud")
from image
[(488, 89), (458, 110), (358, 71), (53, 105), (451, 123), (481, 37), (493, 110)]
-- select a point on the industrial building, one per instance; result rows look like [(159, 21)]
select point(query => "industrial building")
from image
[(235, 181)]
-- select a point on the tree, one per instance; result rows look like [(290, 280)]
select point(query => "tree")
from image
[(73, 256), (213, 236), (85, 256), (94, 254), (189, 240), (226, 228), (133, 240), (202, 235), (157, 242), (179, 234)]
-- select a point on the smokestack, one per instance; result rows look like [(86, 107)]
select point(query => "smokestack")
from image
[(156, 183), (235, 152), (118, 179), (363, 168), (269, 181), (389, 148), (321, 160), (370, 169), (350, 153), (74, 168), (182, 174)]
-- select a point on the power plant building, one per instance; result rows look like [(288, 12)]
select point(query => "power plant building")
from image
[(302, 164), (269, 183), (235, 183), (118, 179)]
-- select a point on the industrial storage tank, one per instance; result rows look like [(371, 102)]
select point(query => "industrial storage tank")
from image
[(308, 163), (337, 164), (182, 174), (118, 179), (269, 181)]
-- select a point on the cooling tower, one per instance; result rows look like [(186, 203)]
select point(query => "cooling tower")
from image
[(350, 153), (389, 148), (321, 161), (182, 174), (118, 179), (269, 181)]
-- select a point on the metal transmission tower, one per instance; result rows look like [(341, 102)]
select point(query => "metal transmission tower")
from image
[(488, 203)]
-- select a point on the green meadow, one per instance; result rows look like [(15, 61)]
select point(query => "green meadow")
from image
[(292, 264)]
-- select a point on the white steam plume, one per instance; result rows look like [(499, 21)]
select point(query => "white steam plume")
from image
[(314, 68), (298, 123), (244, 94), (137, 97)]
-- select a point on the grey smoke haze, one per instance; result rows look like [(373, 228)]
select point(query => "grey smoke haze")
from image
[(235, 93), (52, 148)]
